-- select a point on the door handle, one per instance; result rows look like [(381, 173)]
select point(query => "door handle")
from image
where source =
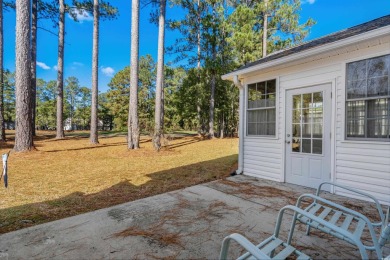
[(288, 142)]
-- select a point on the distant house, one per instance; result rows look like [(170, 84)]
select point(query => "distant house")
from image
[(320, 111)]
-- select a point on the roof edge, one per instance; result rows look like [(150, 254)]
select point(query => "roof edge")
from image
[(310, 52)]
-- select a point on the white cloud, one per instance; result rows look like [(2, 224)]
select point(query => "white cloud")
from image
[(108, 71), (76, 63), (308, 2), (42, 65), (82, 16), (55, 67)]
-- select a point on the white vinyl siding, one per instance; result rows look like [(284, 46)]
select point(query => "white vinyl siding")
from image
[(263, 158), (363, 165)]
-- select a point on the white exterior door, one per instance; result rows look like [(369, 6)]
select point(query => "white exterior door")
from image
[(307, 140)]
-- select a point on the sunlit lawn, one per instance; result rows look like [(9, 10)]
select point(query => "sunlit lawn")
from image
[(68, 177)]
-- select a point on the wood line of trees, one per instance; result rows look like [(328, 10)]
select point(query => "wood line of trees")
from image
[(218, 36)]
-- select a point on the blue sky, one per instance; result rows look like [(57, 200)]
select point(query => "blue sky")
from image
[(331, 16)]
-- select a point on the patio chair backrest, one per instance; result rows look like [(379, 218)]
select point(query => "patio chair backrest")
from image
[(368, 196)]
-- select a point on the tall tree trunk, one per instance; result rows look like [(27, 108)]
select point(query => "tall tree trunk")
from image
[(162, 106), (222, 130), (212, 104), (132, 123), (265, 28), (60, 72), (34, 22), (159, 78), (2, 124), (95, 61), (23, 133), (213, 83), (198, 101)]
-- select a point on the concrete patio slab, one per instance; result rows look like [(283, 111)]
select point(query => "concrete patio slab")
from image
[(188, 223)]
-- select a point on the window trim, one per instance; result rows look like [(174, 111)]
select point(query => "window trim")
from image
[(345, 100), (276, 107)]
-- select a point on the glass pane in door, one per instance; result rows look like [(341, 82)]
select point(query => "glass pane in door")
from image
[(307, 123)]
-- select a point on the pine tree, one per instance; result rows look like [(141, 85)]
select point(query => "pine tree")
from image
[(95, 62), (132, 123), (23, 133), (158, 121)]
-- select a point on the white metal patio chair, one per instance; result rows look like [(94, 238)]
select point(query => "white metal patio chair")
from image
[(275, 248), (346, 219), (369, 197)]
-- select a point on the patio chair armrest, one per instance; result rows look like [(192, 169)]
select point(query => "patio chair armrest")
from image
[(245, 243), (361, 193)]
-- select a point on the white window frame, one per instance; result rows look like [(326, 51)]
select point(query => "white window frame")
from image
[(274, 136), (365, 99)]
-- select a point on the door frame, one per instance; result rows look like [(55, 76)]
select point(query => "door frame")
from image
[(284, 89)]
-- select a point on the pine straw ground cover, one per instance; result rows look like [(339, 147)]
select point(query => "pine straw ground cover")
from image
[(64, 178)]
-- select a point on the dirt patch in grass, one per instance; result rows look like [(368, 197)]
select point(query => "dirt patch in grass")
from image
[(62, 178)]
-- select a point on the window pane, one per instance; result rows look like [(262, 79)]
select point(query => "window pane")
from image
[(296, 116), (356, 70), (296, 130), (271, 86), (271, 129), (306, 145), (296, 145), (251, 116), (317, 130), (261, 101), (261, 129), (317, 99), (297, 101), (377, 108), (306, 118), (356, 110), (378, 118), (270, 100), (378, 128), (356, 89), (306, 100), (261, 88), (251, 128), (378, 66), (306, 130), (271, 115), (317, 146), (251, 95), (378, 86), (261, 115), (368, 117), (355, 128)]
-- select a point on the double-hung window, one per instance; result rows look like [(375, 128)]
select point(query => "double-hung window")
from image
[(368, 99), (261, 112)]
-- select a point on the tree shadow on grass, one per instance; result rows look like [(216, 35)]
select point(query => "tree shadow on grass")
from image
[(27, 215), (143, 141)]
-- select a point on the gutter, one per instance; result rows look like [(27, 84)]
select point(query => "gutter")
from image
[(241, 130)]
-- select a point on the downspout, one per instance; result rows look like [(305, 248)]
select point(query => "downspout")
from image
[(241, 133)]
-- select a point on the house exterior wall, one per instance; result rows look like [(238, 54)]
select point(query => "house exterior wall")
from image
[(360, 164)]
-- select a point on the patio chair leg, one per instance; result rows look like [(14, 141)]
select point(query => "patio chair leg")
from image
[(308, 230), (290, 234)]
